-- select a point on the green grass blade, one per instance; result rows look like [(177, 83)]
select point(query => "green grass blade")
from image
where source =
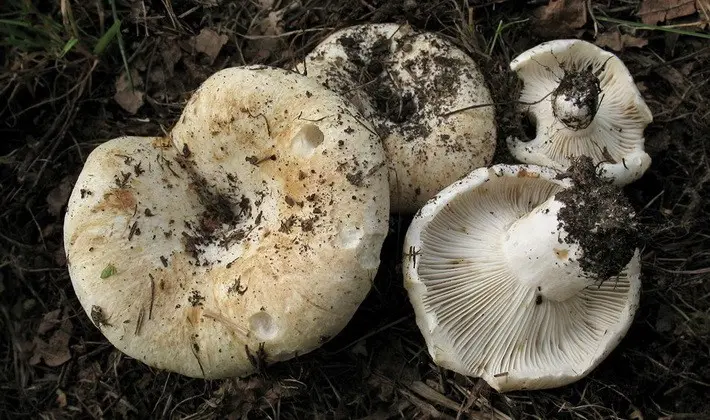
[(68, 46), (11, 22), (639, 25), (108, 37), (121, 47)]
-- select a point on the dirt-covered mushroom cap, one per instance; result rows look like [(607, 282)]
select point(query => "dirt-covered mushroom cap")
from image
[(521, 278), (249, 236), (408, 84), (582, 101)]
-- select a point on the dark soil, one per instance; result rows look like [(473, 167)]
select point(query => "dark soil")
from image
[(599, 217), (376, 81), (55, 108), (400, 103)]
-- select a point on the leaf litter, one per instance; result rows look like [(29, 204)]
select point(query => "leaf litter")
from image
[(653, 12), (68, 369), (51, 344), (616, 41)]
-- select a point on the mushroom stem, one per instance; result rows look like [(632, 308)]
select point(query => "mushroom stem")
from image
[(541, 258), (582, 235), (576, 99)]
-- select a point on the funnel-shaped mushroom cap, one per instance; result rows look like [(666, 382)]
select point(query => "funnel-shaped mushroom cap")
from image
[(408, 84), (505, 289), (583, 102), (252, 233)]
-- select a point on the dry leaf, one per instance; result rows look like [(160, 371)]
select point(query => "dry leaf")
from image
[(49, 321), (58, 197), (129, 99), (635, 414), (54, 352), (210, 43), (654, 11), (561, 17), (171, 54), (266, 30), (618, 41), (61, 398), (266, 4)]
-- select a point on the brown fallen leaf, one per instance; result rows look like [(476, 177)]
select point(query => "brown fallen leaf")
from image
[(130, 99), (49, 321), (209, 43), (266, 39), (171, 54), (61, 398), (618, 41), (560, 17), (58, 197), (55, 351), (655, 11)]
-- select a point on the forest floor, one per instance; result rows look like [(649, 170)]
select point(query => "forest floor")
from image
[(64, 90)]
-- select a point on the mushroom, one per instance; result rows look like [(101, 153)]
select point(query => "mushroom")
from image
[(248, 236), (426, 98), (521, 277), (583, 102)]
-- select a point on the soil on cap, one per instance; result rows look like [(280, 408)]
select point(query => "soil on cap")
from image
[(397, 107), (400, 105), (219, 210), (599, 217)]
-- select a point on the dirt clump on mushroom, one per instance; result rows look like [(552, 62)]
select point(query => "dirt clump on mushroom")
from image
[(383, 83), (220, 210), (583, 88), (600, 218), (397, 108)]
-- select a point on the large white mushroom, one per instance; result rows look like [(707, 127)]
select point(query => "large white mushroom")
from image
[(250, 235), (420, 92), (583, 102), (523, 278)]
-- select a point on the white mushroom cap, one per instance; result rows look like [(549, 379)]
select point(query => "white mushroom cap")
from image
[(257, 225), (583, 101), (408, 84), (503, 290)]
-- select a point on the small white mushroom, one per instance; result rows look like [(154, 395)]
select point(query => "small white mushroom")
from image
[(583, 102), (420, 92), (522, 278), (250, 235)]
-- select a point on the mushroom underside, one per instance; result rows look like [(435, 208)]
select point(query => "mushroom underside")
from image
[(582, 101), (479, 319)]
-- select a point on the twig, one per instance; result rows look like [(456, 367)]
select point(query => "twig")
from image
[(456, 111), (639, 25), (285, 34)]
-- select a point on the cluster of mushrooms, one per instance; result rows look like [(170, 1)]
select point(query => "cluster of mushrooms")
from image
[(252, 231)]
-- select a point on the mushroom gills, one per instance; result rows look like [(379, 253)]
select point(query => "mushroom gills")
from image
[(523, 276), (583, 102)]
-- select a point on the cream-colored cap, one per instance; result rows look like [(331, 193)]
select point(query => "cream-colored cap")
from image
[(252, 232)]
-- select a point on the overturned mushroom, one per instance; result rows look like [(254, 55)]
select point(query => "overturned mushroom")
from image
[(421, 92), (249, 236), (522, 278), (583, 102)]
